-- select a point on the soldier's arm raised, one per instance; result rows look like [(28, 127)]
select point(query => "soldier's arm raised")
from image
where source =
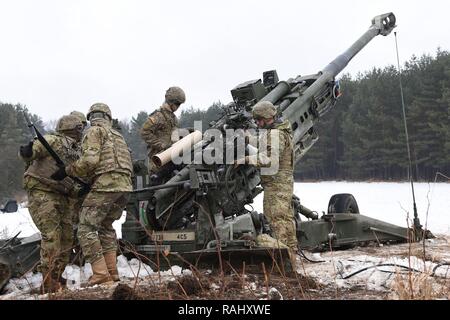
[(91, 148)]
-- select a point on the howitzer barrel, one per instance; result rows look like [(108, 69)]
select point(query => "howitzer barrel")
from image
[(382, 24)]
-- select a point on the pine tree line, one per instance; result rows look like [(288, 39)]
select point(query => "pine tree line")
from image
[(362, 138), (13, 133)]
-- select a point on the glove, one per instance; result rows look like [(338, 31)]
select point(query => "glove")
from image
[(59, 174), (26, 151)]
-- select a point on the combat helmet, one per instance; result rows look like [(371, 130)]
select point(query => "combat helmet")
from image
[(68, 123), (175, 95), (99, 107), (80, 116), (264, 109)]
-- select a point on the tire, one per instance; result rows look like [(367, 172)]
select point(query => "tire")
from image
[(343, 203), (11, 206)]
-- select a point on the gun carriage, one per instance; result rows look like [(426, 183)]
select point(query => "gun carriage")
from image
[(200, 212)]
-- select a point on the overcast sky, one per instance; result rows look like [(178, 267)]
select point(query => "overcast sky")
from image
[(58, 56)]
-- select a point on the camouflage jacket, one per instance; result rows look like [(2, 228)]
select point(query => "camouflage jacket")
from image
[(276, 150), (105, 160), (41, 165), (157, 130)]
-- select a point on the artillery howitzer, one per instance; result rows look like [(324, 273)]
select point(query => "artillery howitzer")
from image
[(201, 209), (17, 255), (200, 214)]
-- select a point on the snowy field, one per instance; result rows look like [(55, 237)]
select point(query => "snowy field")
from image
[(385, 201)]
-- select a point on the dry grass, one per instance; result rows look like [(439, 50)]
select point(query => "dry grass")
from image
[(419, 286)]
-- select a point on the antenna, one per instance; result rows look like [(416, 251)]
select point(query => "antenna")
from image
[(417, 225)]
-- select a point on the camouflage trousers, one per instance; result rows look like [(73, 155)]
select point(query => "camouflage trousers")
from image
[(277, 206), (52, 216), (75, 208), (95, 231), (75, 205)]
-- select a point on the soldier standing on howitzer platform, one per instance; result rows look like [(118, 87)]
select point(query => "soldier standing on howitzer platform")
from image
[(158, 129), (279, 183), (106, 163), (49, 201)]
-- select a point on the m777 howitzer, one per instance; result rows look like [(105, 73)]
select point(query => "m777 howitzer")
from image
[(202, 208)]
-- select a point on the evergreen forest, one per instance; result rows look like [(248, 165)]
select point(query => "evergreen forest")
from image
[(362, 138)]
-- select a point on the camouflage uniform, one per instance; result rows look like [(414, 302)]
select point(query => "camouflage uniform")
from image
[(158, 129), (49, 201), (279, 186), (106, 163), (75, 203), (157, 133), (80, 116)]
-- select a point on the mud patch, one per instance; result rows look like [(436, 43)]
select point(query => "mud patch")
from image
[(186, 285), (125, 292)]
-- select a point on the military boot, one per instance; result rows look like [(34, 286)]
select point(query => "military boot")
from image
[(293, 259), (111, 263), (101, 274)]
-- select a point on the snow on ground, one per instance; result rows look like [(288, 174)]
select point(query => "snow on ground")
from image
[(23, 287), (385, 201), (339, 265), (389, 202), (14, 222), (20, 221)]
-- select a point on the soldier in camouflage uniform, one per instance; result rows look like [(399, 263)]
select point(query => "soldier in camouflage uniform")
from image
[(75, 203), (158, 129), (49, 200), (80, 116), (106, 163), (278, 186)]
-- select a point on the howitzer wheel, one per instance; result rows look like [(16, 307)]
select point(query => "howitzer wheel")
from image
[(343, 203), (233, 178)]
